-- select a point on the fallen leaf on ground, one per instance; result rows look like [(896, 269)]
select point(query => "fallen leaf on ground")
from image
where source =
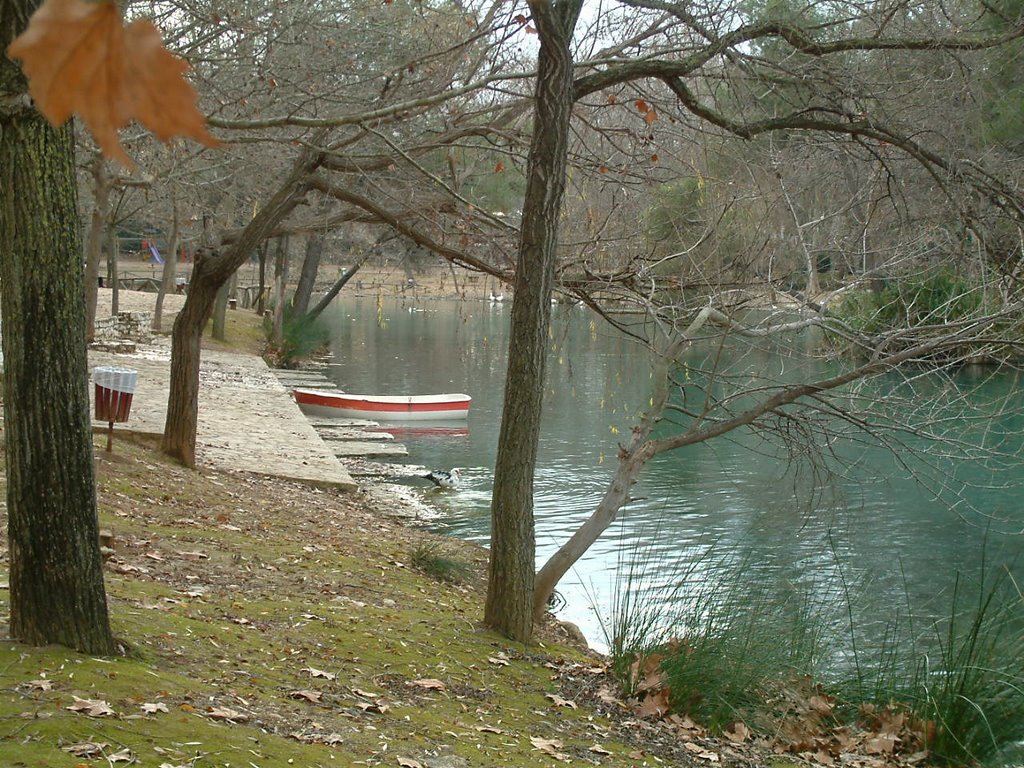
[(429, 683), (91, 707), (549, 746), (123, 756), (737, 732), (699, 752), (154, 708), (408, 762), (608, 696), (224, 713), (40, 685), (80, 58), (313, 672), (193, 555), (654, 704), (312, 696), (597, 749), (880, 745), (86, 748), (558, 701)]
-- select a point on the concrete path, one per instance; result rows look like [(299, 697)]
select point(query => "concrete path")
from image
[(247, 419)]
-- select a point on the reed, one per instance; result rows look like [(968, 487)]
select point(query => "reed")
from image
[(728, 639)]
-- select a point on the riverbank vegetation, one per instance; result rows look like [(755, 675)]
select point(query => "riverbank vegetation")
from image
[(905, 309), (942, 681), (267, 622)]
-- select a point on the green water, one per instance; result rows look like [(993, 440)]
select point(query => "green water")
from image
[(890, 527)]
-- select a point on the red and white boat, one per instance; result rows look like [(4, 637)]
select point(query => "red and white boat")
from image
[(318, 402)]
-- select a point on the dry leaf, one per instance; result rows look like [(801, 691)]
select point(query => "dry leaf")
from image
[(654, 704), (551, 746), (151, 709), (737, 732), (558, 701), (821, 704), (123, 756), (319, 673), (500, 660), (193, 555), (880, 745), (40, 685), (223, 713), (408, 762), (597, 749), (86, 748), (80, 58), (91, 707), (311, 696), (605, 694), (429, 683), (698, 751), (499, 167)]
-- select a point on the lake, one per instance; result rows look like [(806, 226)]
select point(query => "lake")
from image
[(869, 529)]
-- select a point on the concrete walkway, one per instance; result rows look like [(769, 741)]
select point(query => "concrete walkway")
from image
[(247, 419)]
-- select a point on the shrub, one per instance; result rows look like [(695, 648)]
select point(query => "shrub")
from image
[(934, 297), (300, 340), (428, 558)]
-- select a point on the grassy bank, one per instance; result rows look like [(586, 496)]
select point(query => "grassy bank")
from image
[(272, 624), (267, 622)]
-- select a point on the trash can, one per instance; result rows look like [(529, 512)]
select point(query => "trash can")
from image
[(114, 390)]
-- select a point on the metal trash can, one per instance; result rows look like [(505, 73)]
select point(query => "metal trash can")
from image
[(114, 390)]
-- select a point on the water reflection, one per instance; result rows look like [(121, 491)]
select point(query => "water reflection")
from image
[(744, 494)]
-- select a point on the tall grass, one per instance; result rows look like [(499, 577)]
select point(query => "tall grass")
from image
[(962, 675), (720, 638), (729, 639)]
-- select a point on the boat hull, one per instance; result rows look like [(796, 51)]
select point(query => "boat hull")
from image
[(383, 407)]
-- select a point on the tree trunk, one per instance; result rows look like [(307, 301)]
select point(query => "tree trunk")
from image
[(170, 272), (112, 277), (510, 587), (632, 459), (261, 303), (56, 572), (307, 277), (210, 272), (220, 309), (280, 281), (94, 243), (335, 289)]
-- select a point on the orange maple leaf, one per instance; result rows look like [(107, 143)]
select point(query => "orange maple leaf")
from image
[(80, 58)]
